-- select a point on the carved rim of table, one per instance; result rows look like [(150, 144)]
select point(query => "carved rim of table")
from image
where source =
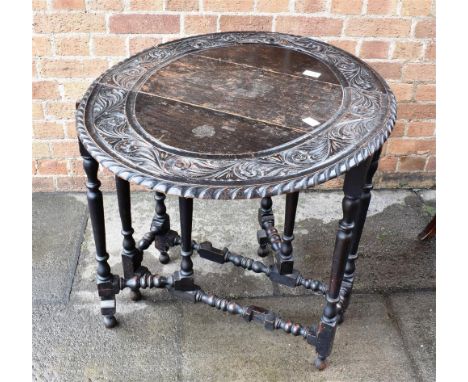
[(337, 147)]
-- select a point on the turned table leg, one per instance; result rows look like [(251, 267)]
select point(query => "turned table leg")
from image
[(185, 280), (429, 231), (287, 262), (353, 188), (348, 278), (265, 213), (163, 225), (131, 256), (160, 226), (105, 280)]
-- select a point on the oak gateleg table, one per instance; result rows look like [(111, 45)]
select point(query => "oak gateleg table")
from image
[(235, 115)]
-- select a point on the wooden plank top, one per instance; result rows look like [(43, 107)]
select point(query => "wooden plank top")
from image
[(236, 115)]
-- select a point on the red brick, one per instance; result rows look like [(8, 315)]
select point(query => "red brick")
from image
[(69, 22), (419, 72), (68, 4), (41, 46), (374, 49), (108, 183), (407, 50), (229, 6), (431, 164), (421, 129), (425, 92), (46, 129), (272, 5), (403, 92), (73, 91), (333, 184), (416, 111), (73, 68), (60, 110), (146, 5), (416, 7), (407, 146), (347, 45), (381, 7), (399, 129), (387, 164), (182, 5), (40, 150), (388, 70), (103, 171), (72, 46), (245, 23), (316, 26), (144, 23), (377, 27), (75, 167), (70, 130), (51, 167), (37, 111), (310, 6), (195, 24), (71, 183), (39, 5), (430, 53), (109, 46), (43, 184), (425, 29), (45, 90), (105, 5), (65, 149), (412, 163), (137, 187), (346, 7), (137, 44)]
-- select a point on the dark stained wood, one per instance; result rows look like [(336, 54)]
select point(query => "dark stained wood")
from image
[(272, 58), (246, 91), (203, 131), (234, 115), (429, 231)]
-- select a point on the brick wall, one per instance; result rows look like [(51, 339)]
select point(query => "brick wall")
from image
[(75, 40)]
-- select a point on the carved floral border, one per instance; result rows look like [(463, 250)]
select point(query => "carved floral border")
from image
[(103, 128)]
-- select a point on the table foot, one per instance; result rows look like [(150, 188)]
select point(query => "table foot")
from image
[(263, 251), (164, 258), (110, 322), (320, 362)]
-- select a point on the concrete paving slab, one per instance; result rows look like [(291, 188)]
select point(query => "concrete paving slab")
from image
[(71, 344), (220, 347), (222, 223), (160, 338), (427, 195), (391, 256), (416, 317), (57, 227)]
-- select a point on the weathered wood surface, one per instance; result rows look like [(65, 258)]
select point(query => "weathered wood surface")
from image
[(250, 92), (272, 58), (204, 131)]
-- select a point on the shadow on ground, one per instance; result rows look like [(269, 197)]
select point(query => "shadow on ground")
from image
[(388, 335)]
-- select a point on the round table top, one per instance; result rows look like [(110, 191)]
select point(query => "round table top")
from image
[(236, 115)]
